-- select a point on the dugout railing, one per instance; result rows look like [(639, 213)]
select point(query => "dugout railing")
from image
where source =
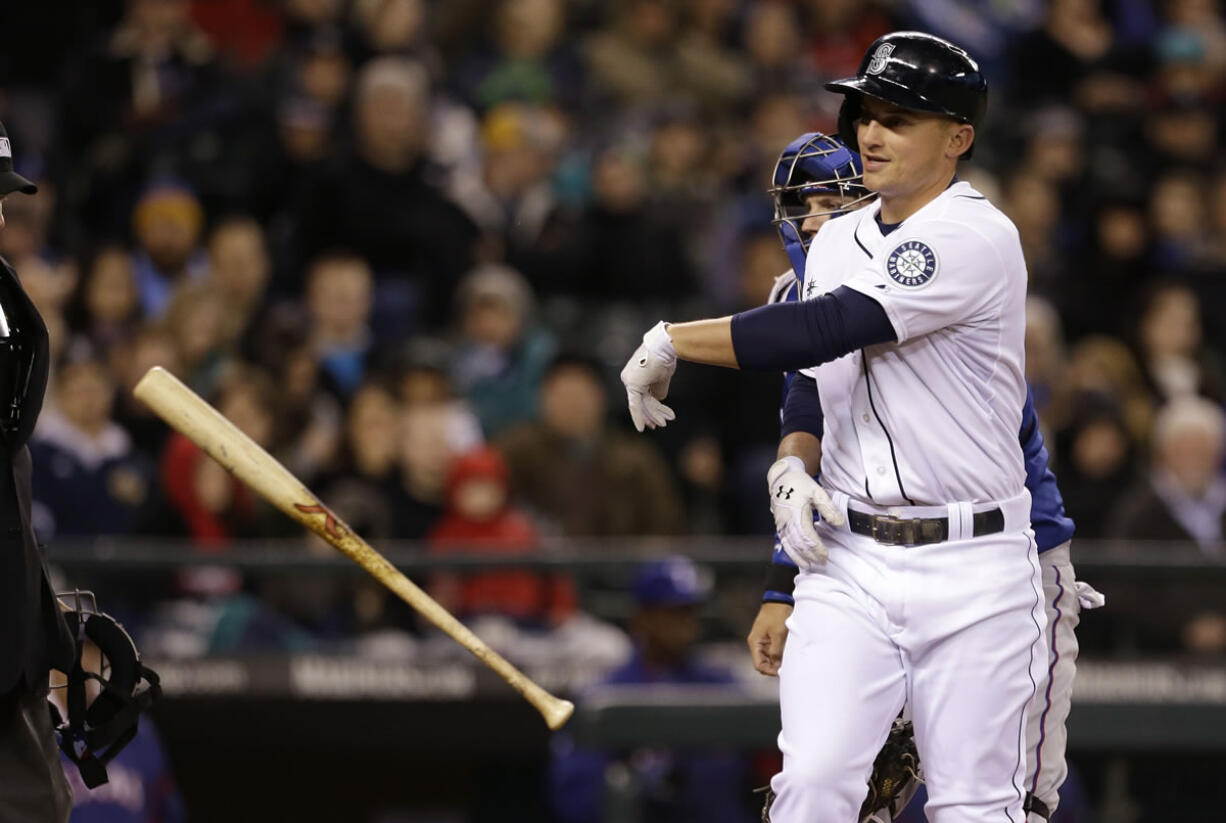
[(1143, 718)]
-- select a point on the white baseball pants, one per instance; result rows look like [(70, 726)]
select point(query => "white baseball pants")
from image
[(953, 628)]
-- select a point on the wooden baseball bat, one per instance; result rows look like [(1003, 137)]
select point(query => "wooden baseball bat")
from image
[(220, 439)]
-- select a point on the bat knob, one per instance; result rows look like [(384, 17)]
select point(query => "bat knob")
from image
[(557, 713)]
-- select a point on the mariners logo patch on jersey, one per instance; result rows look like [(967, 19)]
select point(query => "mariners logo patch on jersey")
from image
[(912, 264)]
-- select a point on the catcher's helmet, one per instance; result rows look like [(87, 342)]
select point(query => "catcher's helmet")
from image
[(916, 71), (813, 163), (93, 734)]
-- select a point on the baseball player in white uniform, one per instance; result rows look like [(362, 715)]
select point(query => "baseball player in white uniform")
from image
[(815, 179), (921, 583)]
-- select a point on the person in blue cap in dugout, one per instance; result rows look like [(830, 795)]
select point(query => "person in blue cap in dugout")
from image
[(673, 786)]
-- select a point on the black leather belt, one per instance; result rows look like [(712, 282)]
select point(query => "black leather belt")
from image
[(918, 531)]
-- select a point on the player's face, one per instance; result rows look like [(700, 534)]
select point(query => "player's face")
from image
[(820, 203), (903, 150)]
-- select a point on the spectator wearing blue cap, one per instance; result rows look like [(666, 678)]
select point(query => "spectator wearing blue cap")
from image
[(674, 786)]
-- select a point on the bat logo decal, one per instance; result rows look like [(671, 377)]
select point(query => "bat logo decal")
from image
[(330, 524)]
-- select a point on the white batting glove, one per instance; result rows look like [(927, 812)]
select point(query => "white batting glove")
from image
[(794, 494), (1087, 597), (646, 378)]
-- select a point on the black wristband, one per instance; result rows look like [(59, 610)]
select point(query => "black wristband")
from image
[(780, 578)]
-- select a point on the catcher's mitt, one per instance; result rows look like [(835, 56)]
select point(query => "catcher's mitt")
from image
[(895, 779), (768, 797), (896, 775)]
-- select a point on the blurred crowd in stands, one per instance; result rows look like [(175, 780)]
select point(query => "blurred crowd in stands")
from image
[(405, 245)]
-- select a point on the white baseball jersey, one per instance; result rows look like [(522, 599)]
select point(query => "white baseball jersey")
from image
[(933, 418)]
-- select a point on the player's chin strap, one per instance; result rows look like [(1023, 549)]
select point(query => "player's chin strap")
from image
[(94, 732)]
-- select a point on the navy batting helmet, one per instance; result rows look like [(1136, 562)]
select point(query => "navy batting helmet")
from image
[(813, 163), (915, 71)]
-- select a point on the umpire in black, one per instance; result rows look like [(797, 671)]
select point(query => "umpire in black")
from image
[(33, 636)]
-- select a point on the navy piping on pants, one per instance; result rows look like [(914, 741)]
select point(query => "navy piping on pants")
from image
[(1034, 687), (1051, 672)]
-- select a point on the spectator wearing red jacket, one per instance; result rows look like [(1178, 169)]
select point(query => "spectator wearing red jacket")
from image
[(481, 520), (216, 507)]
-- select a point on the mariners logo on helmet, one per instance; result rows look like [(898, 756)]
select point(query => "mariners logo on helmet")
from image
[(912, 264), (916, 71), (880, 57)]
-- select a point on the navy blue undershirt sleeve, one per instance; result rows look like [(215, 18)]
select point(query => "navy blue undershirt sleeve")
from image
[(1052, 525), (802, 410), (793, 336)]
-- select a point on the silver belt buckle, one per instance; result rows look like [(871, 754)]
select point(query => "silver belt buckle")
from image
[(906, 534)]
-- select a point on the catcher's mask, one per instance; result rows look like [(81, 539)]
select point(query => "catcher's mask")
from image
[(813, 163), (94, 732)]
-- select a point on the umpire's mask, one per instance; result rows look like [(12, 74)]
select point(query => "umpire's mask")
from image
[(95, 731)]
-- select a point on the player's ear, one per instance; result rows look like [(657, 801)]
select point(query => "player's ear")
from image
[(961, 137)]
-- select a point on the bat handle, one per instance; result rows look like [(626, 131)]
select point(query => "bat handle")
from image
[(555, 710), (558, 713)]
